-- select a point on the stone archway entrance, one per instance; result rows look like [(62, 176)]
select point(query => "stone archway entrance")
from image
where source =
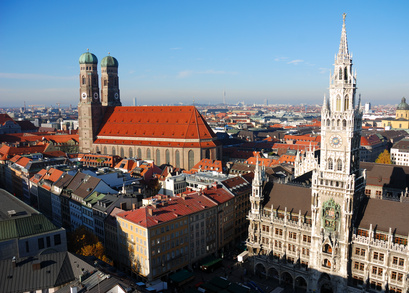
[(260, 271), (324, 284), (300, 284)]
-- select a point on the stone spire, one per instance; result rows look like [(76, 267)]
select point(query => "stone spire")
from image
[(343, 53)]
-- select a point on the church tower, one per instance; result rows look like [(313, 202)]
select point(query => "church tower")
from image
[(256, 198), (89, 106), (110, 82), (337, 182)]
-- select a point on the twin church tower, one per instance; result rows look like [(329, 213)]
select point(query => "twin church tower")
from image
[(92, 104)]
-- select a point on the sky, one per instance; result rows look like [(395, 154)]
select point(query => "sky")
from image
[(172, 52)]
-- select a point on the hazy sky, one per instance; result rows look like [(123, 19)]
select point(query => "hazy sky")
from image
[(177, 51)]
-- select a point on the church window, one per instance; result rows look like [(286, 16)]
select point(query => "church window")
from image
[(139, 153), (340, 74), (105, 150), (338, 108), (328, 122), (158, 157), (338, 122), (207, 154), (130, 153), (345, 74), (122, 152), (330, 164), (113, 151), (105, 82), (327, 248), (83, 79), (148, 154), (97, 149), (344, 123), (191, 159), (346, 106), (177, 159), (327, 263), (339, 165), (167, 155)]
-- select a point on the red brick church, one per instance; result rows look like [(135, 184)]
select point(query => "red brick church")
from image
[(176, 135)]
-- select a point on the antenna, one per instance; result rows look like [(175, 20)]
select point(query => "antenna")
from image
[(224, 97)]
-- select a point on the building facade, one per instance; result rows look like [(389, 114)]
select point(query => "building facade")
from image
[(329, 237), (176, 135)]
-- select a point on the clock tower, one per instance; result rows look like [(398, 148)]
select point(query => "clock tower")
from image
[(89, 106), (337, 182)]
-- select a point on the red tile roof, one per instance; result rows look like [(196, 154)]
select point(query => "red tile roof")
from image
[(4, 118), (208, 165), (167, 209), (165, 122)]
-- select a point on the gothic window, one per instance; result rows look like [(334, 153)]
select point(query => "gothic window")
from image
[(139, 153), (148, 154), (83, 79), (191, 159), (338, 103), (327, 248), (346, 106), (330, 164), (113, 151), (327, 263), (105, 82), (130, 153), (177, 159), (105, 150), (122, 152), (328, 122), (158, 157), (344, 123), (339, 165), (340, 74), (97, 149), (338, 122), (167, 155), (345, 74)]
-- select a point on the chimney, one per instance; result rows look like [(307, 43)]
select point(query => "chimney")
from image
[(150, 212), (134, 206), (36, 265)]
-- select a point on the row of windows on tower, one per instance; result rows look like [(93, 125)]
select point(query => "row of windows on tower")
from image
[(89, 68), (345, 75), (330, 164), (339, 103), (94, 81)]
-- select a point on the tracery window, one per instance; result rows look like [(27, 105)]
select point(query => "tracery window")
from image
[(330, 164), (148, 154), (339, 165)]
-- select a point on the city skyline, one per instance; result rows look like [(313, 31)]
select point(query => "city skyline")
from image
[(182, 51)]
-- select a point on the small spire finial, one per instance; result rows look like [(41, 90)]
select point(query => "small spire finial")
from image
[(87, 50), (109, 53), (344, 15)]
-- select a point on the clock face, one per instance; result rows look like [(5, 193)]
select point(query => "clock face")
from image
[(116, 96), (95, 96), (84, 95), (335, 141)]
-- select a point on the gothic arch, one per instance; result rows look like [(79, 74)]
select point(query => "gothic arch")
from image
[(340, 74), (338, 123), (260, 269), (191, 159), (83, 79), (338, 108), (300, 284), (167, 157), (105, 150), (327, 248), (330, 164), (287, 278), (346, 106), (113, 151), (177, 159), (148, 154), (273, 273), (158, 157), (97, 149), (328, 122), (139, 153), (345, 74), (344, 123), (326, 263), (121, 152), (130, 153), (339, 165)]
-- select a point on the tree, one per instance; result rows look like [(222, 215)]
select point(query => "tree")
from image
[(384, 158), (84, 242)]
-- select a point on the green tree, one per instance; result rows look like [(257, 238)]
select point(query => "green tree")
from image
[(384, 158)]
